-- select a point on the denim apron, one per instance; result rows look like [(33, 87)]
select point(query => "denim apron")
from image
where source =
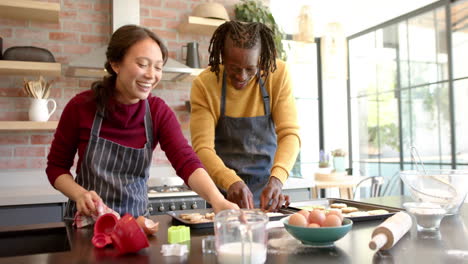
[(247, 144), (118, 174)]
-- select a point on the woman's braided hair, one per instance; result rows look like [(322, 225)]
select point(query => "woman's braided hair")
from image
[(246, 36)]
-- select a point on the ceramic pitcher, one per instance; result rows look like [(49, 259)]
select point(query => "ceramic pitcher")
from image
[(39, 109)]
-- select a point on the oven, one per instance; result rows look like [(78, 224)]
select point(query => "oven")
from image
[(173, 198)]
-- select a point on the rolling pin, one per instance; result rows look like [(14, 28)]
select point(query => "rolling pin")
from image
[(387, 234)]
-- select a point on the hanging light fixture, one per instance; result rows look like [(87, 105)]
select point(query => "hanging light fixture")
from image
[(305, 25), (334, 52)]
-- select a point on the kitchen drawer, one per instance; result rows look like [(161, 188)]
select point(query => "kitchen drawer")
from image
[(31, 214)]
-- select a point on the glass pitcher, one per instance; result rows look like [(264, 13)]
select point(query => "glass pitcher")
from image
[(241, 236)]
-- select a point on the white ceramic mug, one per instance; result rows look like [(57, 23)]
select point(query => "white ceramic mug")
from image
[(39, 109)]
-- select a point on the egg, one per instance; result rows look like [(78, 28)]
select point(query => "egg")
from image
[(313, 225), (335, 212), (298, 219), (148, 226), (316, 217), (332, 220), (305, 213)]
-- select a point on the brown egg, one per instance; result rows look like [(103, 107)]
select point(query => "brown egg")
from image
[(335, 212), (148, 226), (305, 213), (313, 225), (298, 219), (317, 217), (331, 221)]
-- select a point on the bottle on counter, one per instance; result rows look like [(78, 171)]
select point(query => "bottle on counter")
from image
[(387, 234)]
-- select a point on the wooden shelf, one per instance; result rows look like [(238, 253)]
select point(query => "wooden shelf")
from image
[(27, 126), (200, 25), (29, 68), (27, 9)]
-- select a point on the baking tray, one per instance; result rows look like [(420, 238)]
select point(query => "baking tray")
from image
[(176, 218), (362, 206)]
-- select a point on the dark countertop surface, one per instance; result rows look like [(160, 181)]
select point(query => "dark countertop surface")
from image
[(449, 245)]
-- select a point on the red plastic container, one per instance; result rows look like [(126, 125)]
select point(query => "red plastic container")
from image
[(128, 237), (103, 228)]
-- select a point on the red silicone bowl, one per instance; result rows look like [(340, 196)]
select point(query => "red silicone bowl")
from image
[(128, 237)]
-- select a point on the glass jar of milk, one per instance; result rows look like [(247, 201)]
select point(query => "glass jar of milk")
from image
[(241, 236)]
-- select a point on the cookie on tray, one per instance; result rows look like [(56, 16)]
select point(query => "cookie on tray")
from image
[(378, 212), (349, 209), (338, 205), (357, 214)]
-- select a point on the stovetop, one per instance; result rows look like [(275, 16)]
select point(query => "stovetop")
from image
[(169, 191)]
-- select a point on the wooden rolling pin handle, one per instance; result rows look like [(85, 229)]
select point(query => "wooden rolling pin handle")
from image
[(378, 241)]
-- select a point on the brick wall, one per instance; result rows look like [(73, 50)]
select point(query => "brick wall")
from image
[(83, 26)]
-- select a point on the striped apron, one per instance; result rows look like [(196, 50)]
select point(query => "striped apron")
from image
[(118, 174)]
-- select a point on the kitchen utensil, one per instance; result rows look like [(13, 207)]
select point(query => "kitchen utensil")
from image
[(444, 198), (28, 53), (211, 10), (241, 236), (387, 234), (192, 57), (39, 111), (447, 188), (319, 236), (128, 237), (428, 215)]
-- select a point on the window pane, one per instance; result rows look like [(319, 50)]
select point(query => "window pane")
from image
[(404, 56), (427, 65), (367, 135), (388, 128), (363, 65), (307, 110), (426, 118), (461, 125), (460, 39), (386, 55)]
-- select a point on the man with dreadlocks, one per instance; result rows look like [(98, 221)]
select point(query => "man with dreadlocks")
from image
[(244, 121)]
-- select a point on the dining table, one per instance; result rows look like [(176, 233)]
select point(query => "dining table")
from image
[(449, 244)]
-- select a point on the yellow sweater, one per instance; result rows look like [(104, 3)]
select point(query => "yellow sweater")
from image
[(206, 101)]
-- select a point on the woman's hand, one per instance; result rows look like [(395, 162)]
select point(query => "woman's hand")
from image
[(223, 204), (85, 202)]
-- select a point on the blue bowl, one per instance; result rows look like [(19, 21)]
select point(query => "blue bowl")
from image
[(320, 236)]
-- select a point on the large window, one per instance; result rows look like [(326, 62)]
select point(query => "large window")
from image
[(302, 60), (404, 92)]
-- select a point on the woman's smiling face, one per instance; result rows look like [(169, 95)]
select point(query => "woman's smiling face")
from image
[(139, 71)]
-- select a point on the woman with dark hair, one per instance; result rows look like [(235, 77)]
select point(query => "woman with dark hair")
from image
[(115, 127), (244, 122)]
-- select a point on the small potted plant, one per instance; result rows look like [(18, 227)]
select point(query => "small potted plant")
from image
[(324, 159), (339, 159)]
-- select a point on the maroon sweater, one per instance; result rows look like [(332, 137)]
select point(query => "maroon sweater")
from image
[(124, 125)]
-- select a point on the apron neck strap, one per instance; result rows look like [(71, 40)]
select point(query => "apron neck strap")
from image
[(265, 96)]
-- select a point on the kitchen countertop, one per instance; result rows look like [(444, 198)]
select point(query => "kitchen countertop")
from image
[(449, 245), (39, 190)]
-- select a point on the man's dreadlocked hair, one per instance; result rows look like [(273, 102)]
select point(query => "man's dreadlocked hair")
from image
[(246, 36)]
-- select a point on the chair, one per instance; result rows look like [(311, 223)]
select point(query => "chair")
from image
[(376, 183)]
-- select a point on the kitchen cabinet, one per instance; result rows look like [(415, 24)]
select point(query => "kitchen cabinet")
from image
[(31, 214), (27, 9), (200, 25), (28, 125)]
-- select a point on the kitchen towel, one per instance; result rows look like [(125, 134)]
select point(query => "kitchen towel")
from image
[(83, 220)]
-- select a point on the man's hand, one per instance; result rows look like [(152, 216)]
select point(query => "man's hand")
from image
[(272, 199), (240, 194)]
